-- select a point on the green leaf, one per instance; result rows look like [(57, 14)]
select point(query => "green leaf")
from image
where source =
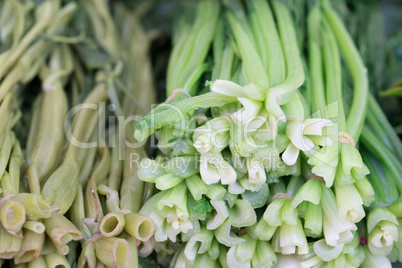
[(148, 262), (169, 113), (93, 55), (395, 91), (203, 206)]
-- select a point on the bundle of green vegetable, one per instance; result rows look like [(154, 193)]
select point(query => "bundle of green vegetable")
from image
[(25, 214), (269, 163), (61, 207)]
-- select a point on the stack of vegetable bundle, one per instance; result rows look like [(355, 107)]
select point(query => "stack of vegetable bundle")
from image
[(66, 193), (25, 213), (268, 163)]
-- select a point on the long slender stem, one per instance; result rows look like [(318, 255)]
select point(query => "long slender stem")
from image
[(385, 188), (374, 144), (377, 119), (333, 73), (357, 114), (294, 67), (315, 60)]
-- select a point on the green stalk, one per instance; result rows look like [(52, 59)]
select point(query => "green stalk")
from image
[(5, 112), (218, 47), (366, 191), (357, 113), (225, 72), (245, 250), (12, 23), (242, 214), (333, 75), (374, 144), (198, 243), (10, 245), (167, 114), (35, 206), (34, 226), (134, 254), (32, 244), (56, 260), (5, 152), (349, 202), (116, 166), (48, 247), (167, 181), (61, 231), (219, 214), (49, 145), (382, 231), (378, 120), (183, 166), (103, 26), (313, 220), (112, 198), (294, 68), (175, 198), (149, 209), (113, 252), (46, 11), (196, 186), (138, 226), (12, 215), (268, 42), (326, 252), (77, 213), (373, 261), (223, 256), (310, 191), (292, 237), (132, 187), (253, 68), (216, 192), (225, 236), (91, 192), (233, 261), (273, 213), (336, 230), (54, 189), (149, 170), (264, 256), (194, 48), (315, 59), (86, 168), (261, 230), (203, 260), (72, 253), (112, 224), (37, 263), (15, 166), (385, 187), (258, 198), (213, 251), (87, 257)]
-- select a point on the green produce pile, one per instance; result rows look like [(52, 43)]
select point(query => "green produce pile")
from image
[(274, 161), (269, 150)]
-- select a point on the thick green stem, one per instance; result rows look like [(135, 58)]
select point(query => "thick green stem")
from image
[(357, 114), (315, 60), (333, 74)]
